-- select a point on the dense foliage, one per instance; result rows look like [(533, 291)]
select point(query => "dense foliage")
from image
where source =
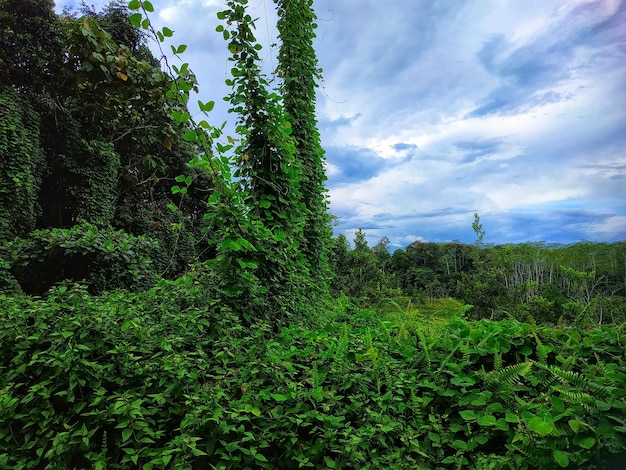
[(86, 138), (241, 359), (582, 284), (167, 379)]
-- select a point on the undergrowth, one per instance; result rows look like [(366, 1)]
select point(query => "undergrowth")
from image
[(167, 379)]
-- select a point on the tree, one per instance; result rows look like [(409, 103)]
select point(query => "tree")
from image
[(478, 230), (30, 44), (299, 71), (95, 144)]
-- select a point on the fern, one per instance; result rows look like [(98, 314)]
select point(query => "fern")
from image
[(506, 378), (497, 361), (367, 340), (315, 376), (425, 347), (444, 363), (465, 350), (542, 353), (576, 398), (446, 340), (569, 377), (342, 345)]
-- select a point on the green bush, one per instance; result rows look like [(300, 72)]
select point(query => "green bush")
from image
[(169, 379), (104, 258)]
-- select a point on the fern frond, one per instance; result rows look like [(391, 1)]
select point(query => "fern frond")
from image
[(446, 339), (569, 377), (367, 340), (542, 354), (465, 350), (444, 363), (505, 379), (576, 398), (315, 376), (497, 361)]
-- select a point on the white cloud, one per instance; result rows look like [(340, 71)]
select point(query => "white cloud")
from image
[(493, 107)]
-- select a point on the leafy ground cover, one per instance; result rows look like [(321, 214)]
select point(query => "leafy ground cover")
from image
[(165, 379)]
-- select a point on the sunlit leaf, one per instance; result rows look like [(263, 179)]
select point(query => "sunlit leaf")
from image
[(148, 6), (560, 457)]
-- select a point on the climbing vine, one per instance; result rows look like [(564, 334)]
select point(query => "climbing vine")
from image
[(299, 71), (21, 164), (268, 234)]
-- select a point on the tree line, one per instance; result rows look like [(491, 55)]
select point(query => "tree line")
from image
[(582, 283)]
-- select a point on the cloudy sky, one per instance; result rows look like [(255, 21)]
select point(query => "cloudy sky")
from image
[(431, 111)]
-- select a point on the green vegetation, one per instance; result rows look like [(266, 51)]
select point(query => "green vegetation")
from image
[(172, 298), (168, 379)]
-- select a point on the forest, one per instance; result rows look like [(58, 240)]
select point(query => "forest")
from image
[(174, 297)]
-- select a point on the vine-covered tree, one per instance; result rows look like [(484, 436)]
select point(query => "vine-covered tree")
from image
[(298, 67), (88, 140)]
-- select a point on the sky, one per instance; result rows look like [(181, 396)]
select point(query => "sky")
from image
[(432, 111)]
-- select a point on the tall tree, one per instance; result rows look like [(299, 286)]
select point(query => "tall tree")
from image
[(270, 176), (298, 67)]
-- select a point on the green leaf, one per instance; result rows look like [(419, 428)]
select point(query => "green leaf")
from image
[(135, 19), (487, 420), (260, 457), (264, 204), (279, 397), (180, 178), (252, 409), (206, 107), (526, 351), (167, 32), (575, 425), (560, 457), (317, 394), (330, 463), (557, 404), (126, 433), (459, 445), (584, 442), (134, 5), (180, 117), (541, 427), (148, 6), (190, 136), (468, 415), (182, 48), (175, 189)]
